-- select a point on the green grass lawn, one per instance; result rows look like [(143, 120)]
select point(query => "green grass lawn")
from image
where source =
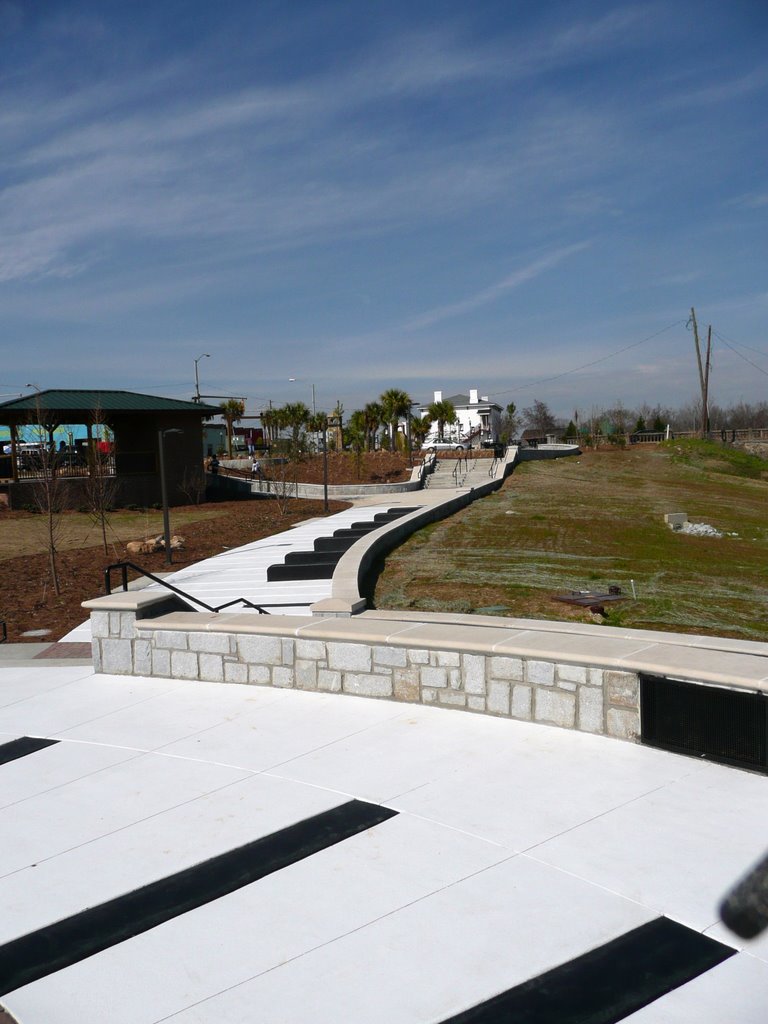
[(587, 522)]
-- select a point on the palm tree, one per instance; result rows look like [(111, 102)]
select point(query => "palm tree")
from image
[(356, 435), (269, 423), (443, 412), (373, 417), (296, 415), (420, 427), (395, 404), (232, 410)]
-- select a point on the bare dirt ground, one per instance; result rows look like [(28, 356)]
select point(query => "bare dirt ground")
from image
[(27, 600)]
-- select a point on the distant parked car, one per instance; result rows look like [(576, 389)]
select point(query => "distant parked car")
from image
[(445, 446)]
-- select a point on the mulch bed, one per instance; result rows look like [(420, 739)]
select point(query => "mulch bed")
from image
[(27, 600)]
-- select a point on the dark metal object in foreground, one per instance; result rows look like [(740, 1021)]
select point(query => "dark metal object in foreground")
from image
[(745, 908), (125, 566), (589, 598)]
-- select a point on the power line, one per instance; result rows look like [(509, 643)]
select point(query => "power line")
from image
[(736, 352), (594, 362)]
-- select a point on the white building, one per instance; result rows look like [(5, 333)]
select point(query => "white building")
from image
[(477, 418)]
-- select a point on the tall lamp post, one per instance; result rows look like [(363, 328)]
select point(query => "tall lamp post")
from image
[(164, 491), (205, 355)]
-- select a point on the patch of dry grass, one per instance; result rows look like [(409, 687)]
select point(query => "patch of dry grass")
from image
[(585, 523)]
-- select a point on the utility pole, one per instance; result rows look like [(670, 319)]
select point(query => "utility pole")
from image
[(703, 373)]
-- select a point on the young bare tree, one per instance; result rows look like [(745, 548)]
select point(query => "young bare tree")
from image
[(49, 491), (101, 482), (192, 484)]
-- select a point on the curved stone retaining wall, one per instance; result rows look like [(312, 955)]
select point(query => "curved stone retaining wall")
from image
[(531, 671)]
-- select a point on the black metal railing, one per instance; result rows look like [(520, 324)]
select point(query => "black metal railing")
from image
[(260, 608), (3, 632)]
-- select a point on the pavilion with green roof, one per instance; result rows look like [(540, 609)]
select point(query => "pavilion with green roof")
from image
[(132, 422)]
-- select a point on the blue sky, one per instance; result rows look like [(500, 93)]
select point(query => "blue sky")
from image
[(369, 195)]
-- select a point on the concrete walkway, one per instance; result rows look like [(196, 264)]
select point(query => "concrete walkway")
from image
[(514, 849), (242, 572)]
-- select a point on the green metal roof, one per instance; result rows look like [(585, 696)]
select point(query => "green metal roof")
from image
[(55, 400)]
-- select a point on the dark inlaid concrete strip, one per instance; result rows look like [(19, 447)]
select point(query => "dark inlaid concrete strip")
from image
[(15, 749), (67, 942), (609, 983)]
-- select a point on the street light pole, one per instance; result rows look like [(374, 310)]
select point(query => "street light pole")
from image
[(164, 492), (205, 355), (325, 467)]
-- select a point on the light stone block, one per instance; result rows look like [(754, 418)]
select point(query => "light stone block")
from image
[(367, 685), (522, 702), (349, 657), (418, 656), (447, 659), (114, 623), (590, 702), (555, 708), (391, 657), (161, 662), (434, 676), (287, 651), (406, 684), (116, 656), (542, 673), (329, 680), (211, 667), (476, 703), (454, 678), (96, 656), (259, 675), (306, 674), (497, 701), (473, 673), (307, 649), (571, 674), (571, 687), (506, 668), (127, 625), (259, 650), (184, 665), (452, 698), (142, 658), (171, 639), (428, 695), (100, 624), (624, 725), (282, 676), (595, 677), (235, 672), (623, 689), (212, 643)]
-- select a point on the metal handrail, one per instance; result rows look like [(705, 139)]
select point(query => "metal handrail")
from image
[(125, 566), (3, 632)]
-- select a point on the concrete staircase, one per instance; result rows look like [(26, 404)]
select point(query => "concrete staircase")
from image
[(452, 474)]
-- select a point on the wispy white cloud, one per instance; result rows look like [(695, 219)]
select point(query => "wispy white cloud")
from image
[(750, 200), (496, 291), (722, 90)]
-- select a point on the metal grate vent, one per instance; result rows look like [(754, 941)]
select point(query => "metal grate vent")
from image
[(728, 726)]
